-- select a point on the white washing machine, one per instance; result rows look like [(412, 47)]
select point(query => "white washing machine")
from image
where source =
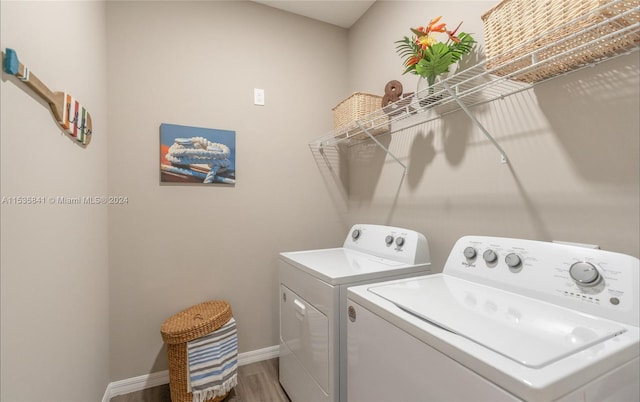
[(313, 296), (506, 320)]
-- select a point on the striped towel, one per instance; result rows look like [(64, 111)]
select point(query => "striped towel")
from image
[(212, 363)]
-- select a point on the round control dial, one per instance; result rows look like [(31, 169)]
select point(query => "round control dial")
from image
[(490, 256), (399, 241), (470, 253), (585, 273), (513, 260), (388, 240), (355, 234)]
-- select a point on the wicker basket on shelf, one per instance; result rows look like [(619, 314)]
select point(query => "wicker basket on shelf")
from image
[(556, 30), (364, 107), (187, 325)]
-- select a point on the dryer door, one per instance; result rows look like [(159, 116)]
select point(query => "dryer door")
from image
[(305, 331)]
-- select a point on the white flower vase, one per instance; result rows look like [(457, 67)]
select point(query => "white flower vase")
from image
[(427, 92)]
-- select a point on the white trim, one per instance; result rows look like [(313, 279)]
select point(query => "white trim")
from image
[(142, 382), (259, 355), (139, 383), (107, 394)]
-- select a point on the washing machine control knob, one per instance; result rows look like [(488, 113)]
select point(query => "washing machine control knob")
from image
[(355, 234), (388, 240), (585, 273), (513, 260), (490, 256), (399, 241), (470, 253)]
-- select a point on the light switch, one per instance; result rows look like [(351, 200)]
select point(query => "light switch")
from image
[(258, 96)]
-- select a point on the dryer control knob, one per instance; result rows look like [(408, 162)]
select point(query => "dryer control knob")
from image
[(470, 253), (355, 234), (585, 273), (490, 256), (513, 260), (399, 241), (388, 240)]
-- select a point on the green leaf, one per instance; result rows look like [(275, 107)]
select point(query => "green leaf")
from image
[(410, 68), (407, 48), (436, 60), (464, 47), (418, 33)]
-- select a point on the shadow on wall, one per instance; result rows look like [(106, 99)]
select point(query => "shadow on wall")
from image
[(335, 162), (421, 154), (535, 218), (161, 363), (455, 137), (370, 157), (601, 149), (457, 131), (334, 171)]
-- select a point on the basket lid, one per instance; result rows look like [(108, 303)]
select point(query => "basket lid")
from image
[(195, 322)]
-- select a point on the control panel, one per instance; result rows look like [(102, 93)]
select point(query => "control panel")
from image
[(398, 244), (594, 281)]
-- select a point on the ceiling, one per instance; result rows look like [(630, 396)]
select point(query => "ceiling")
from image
[(342, 13)]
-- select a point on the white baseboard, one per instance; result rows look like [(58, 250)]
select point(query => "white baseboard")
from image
[(139, 383), (259, 355)]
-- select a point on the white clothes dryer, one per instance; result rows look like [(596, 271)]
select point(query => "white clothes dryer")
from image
[(506, 320), (313, 296)]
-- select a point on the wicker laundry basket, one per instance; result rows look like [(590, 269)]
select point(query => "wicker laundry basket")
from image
[(560, 35), (366, 107), (187, 325)]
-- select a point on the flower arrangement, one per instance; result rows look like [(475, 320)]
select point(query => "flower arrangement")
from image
[(426, 56)]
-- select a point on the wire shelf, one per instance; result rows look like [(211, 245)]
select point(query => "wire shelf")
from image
[(615, 35)]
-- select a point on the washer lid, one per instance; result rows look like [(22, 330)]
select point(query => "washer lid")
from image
[(531, 332), (342, 265)]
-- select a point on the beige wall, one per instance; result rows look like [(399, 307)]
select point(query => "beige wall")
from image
[(572, 142), (573, 146), (196, 64), (54, 261)]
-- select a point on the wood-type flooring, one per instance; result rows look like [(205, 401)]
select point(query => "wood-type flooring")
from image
[(257, 382)]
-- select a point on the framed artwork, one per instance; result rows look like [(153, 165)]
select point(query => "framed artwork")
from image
[(197, 155)]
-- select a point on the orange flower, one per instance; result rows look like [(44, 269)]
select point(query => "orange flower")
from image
[(439, 28), (426, 55), (433, 22), (413, 60), (432, 27), (452, 34)]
